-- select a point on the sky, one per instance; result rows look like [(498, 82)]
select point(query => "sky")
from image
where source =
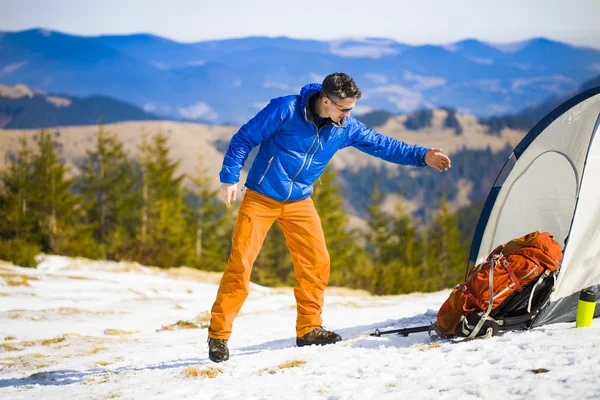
[(412, 22), (83, 329)]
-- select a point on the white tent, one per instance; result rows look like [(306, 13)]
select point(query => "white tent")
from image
[(551, 182)]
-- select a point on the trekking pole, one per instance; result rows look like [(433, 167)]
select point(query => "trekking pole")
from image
[(403, 331)]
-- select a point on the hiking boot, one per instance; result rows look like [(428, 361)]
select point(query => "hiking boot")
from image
[(218, 350), (318, 336)]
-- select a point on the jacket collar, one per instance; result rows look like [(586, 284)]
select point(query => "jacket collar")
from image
[(306, 93)]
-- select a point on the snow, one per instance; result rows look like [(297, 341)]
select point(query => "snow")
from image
[(93, 330)]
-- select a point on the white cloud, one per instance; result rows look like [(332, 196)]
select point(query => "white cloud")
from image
[(499, 108), (12, 68), (199, 111), (364, 51), (363, 47), (149, 107), (160, 65), (550, 83), (594, 67), (424, 82), (260, 105), (58, 101), (490, 85), (316, 77), (485, 61), (403, 98), (276, 85), (362, 109), (377, 78), (196, 63)]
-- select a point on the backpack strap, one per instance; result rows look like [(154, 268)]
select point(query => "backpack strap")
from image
[(511, 273)]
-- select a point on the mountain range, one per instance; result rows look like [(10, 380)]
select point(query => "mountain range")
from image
[(22, 107), (230, 80)]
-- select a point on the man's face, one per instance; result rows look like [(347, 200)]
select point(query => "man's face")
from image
[(337, 108)]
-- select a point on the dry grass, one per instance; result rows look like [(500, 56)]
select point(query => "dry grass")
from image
[(102, 363), (426, 346), (97, 379), (7, 364), (118, 332), (194, 275), (18, 279), (4, 294), (36, 315), (9, 347), (48, 342), (179, 325), (10, 338), (97, 349), (196, 372), (291, 364), (142, 295), (202, 320)]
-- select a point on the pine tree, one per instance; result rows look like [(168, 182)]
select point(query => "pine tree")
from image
[(107, 187), (210, 222), (162, 236), (16, 193), (409, 247), (346, 251), (446, 255), (380, 238), (17, 239), (52, 204)]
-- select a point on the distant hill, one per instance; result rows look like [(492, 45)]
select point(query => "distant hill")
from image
[(201, 81), (527, 118), (25, 108)]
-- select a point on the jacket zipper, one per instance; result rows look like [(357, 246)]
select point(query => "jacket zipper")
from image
[(315, 152), (266, 170), (303, 162)]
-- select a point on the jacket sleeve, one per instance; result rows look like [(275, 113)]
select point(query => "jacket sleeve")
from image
[(384, 147), (250, 135)]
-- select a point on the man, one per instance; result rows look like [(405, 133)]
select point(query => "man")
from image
[(298, 135)]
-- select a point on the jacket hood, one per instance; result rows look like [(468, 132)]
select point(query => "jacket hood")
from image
[(309, 90)]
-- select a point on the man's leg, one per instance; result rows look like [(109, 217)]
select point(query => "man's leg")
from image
[(303, 232), (257, 214)]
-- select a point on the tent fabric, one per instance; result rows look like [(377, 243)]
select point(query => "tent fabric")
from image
[(550, 183)]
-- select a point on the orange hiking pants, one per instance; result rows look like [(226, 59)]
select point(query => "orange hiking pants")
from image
[(303, 233)]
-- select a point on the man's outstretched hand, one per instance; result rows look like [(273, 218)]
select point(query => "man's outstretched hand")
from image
[(228, 192), (438, 160)]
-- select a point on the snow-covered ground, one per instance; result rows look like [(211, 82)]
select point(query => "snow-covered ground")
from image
[(95, 330)]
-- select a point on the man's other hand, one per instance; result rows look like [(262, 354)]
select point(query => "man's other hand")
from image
[(228, 192), (438, 160)]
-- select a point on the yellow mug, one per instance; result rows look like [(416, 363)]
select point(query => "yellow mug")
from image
[(585, 308)]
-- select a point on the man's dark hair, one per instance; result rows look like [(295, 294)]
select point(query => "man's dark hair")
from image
[(341, 85)]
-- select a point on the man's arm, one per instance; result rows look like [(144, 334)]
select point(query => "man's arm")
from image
[(253, 133), (396, 151)]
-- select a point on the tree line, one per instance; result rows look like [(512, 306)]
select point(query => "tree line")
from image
[(141, 209)]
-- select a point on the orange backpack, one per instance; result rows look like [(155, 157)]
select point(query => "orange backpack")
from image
[(516, 270)]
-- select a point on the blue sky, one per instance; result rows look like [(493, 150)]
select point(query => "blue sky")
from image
[(412, 22)]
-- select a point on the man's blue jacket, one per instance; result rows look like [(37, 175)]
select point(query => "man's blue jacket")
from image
[(294, 152)]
